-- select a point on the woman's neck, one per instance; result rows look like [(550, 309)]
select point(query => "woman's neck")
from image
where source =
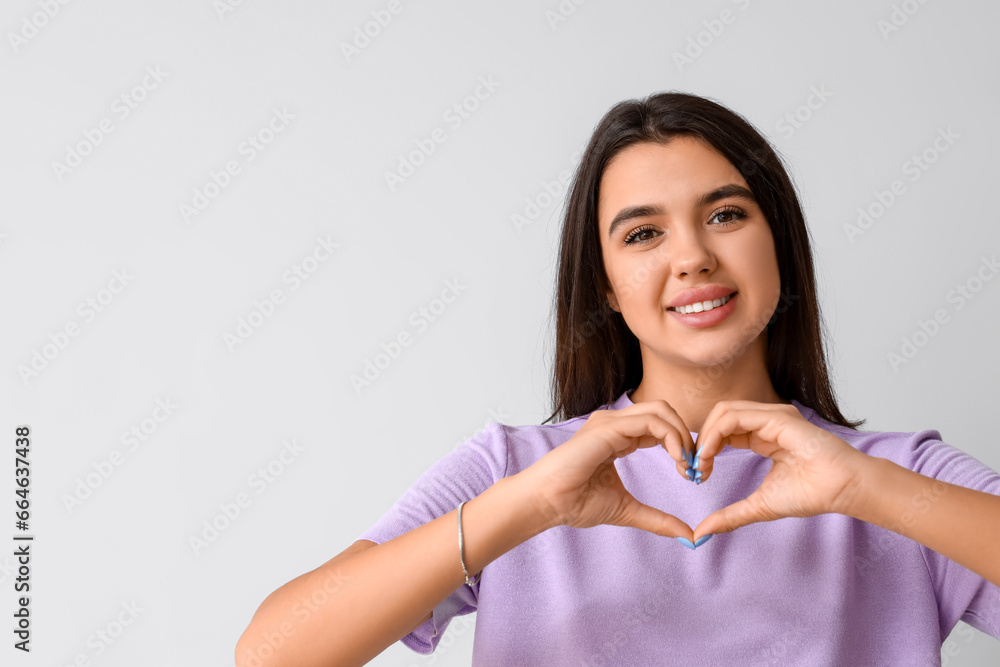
[(692, 391)]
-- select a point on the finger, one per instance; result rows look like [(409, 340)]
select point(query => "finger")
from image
[(675, 448), (752, 509), (682, 442), (705, 467), (702, 457), (635, 431), (668, 414), (655, 521), (723, 407), (718, 410), (683, 461), (755, 429), (681, 467)]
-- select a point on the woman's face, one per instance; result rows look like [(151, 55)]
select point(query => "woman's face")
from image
[(684, 218)]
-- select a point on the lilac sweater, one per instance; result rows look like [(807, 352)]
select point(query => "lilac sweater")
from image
[(823, 590)]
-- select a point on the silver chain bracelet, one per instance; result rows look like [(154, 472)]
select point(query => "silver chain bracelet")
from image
[(461, 548)]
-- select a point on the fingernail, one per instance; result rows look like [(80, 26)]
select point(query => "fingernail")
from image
[(696, 462), (702, 540), (686, 542), (690, 473), (687, 457), (697, 475), (697, 481)]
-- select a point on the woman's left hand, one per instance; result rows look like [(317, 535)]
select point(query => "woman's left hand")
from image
[(812, 472)]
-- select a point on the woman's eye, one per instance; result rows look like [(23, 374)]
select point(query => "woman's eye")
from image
[(730, 215), (637, 236)]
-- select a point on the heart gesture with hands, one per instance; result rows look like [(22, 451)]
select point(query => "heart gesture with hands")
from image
[(812, 472)]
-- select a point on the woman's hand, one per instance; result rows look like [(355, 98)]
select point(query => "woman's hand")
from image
[(812, 472), (578, 483)]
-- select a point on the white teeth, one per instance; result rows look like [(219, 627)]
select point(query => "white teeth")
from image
[(702, 306)]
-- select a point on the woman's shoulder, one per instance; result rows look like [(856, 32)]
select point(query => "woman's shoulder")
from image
[(924, 451), (547, 434), (870, 441), (561, 429), (526, 443)]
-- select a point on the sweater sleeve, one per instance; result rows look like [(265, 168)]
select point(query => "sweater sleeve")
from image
[(464, 473), (961, 593)]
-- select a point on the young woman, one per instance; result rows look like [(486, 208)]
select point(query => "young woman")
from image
[(691, 378)]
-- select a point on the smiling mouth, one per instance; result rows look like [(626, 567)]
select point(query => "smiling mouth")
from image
[(703, 306)]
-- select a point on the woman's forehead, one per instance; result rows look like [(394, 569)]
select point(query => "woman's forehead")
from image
[(677, 173), (673, 157)]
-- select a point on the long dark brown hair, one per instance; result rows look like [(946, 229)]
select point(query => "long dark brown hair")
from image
[(597, 356)]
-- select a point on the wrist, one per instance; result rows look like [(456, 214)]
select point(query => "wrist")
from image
[(499, 519), (536, 513), (859, 499)]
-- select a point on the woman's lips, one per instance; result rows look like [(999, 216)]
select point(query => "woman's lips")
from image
[(707, 318)]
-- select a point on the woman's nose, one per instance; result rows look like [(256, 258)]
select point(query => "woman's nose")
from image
[(688, 253)]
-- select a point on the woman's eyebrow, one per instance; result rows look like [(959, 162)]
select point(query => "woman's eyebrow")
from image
[(646, 210)]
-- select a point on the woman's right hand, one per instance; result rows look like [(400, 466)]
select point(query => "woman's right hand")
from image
[(579, 486)]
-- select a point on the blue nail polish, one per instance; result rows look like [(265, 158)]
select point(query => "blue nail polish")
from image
[(702, 540), (690, 473), (686, 542), (696, 462), (687, 457), (697, 481), (697, 475)]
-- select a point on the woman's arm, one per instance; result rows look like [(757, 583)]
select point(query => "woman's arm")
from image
[(815, 472), (350, 609), (377, 595), (959, 523)]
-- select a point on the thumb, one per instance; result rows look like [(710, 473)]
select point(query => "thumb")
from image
[(751, 509), (654, 521)]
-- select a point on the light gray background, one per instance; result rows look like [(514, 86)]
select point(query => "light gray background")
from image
[(487, 356)]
